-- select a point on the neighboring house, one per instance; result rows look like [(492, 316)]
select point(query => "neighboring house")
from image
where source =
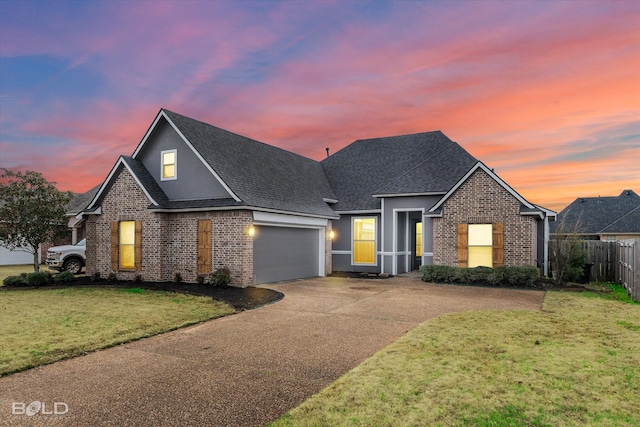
[(193, 198), (601, 218)]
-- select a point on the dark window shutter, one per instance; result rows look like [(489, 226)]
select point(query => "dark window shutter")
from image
[(498, 244), (138, 246), (114, 246), (463, 244), (204, 246)]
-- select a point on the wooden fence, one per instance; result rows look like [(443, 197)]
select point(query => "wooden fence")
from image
[(628, 272), (615, 262)]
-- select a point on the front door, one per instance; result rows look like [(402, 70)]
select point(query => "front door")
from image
[(416, 244)]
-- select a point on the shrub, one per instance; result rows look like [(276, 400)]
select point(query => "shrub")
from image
[(137, 278), (200, 280), (95, 276), (112, 277), (221, 277), (500, 276), (64, 277), (15, 281), (39, 278), (177, 278)]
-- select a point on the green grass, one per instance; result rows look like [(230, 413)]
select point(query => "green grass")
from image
[(576, 362), (45, 325)]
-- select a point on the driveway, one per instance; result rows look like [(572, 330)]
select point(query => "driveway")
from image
[(249, 368)]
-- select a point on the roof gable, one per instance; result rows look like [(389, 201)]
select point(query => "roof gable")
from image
[(139, 173), (526, 208), (256, 174)]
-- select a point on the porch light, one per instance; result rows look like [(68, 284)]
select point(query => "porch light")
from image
[(332, 235), (251, 231)]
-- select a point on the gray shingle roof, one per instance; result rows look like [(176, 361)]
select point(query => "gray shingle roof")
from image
[(261, 175), (427, 162), (599, 215), (80, 201), (146, 180)]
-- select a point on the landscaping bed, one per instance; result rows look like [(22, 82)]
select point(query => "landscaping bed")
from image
[(239, 298)]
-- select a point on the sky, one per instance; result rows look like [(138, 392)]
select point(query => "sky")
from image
[(547, 93)]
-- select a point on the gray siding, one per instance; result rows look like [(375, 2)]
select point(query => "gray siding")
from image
[(342, 243), (194, 181), (283, 253), (407, 209)]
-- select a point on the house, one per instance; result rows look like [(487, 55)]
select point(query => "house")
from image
[(601, 218), (193, 197)]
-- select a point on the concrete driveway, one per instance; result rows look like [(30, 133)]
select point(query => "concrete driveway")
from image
[(246, 369)]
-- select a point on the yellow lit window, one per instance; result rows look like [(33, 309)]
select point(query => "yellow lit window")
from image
[(418, 239), (169, 164), (127, 245), (364, 241), (480, 245)]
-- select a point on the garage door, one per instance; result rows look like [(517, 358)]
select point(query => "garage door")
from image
[(285, 253), (8, 257)]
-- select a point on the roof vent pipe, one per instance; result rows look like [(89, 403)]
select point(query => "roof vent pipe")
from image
[(327, 151)]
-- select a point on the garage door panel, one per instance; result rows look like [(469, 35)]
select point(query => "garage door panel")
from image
[(16, 257), (285, 253)]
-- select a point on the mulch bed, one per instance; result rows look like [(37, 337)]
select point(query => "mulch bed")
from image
[(239, 298)]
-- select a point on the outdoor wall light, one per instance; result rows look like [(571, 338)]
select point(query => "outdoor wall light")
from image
[(251, 231), (332, 235)]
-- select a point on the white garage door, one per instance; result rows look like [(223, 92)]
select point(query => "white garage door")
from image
[(285, 253), (8, 257)]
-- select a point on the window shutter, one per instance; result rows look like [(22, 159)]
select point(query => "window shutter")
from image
[(138, 246), (463, 242), (114, 246), (498, 244), (204, 246)]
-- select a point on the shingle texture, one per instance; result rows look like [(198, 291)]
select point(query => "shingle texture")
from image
[(602, 215), (259, 174), (419, 163)]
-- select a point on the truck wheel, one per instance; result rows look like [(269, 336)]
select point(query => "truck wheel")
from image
[(72, 265)]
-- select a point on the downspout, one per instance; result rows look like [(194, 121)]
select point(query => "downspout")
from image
[(545, 267)]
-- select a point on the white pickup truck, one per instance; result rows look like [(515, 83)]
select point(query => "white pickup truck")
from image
[(67, 257)]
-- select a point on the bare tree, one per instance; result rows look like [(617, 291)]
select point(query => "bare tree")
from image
[(567, 255)]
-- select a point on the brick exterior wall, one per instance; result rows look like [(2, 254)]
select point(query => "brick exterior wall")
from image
[(481, 200), (169, 240)]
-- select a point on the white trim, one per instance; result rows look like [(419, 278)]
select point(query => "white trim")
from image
[(175, 165), (112, 173), (322, 249), (337, 252), (186, 141), (362, 212), (375, 242), (435, 193), (407, 241), (234, 207), (495, 177), (278, 218), (382, 248)]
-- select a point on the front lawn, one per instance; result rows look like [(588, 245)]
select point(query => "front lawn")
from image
[(45, 325), (576, 362)]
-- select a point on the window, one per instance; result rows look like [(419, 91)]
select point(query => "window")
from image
[(126, 245), (418, 239), (364, 241), (480, 245), (169, 164)]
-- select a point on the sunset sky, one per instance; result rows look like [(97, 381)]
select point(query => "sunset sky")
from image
[(545, 92)]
